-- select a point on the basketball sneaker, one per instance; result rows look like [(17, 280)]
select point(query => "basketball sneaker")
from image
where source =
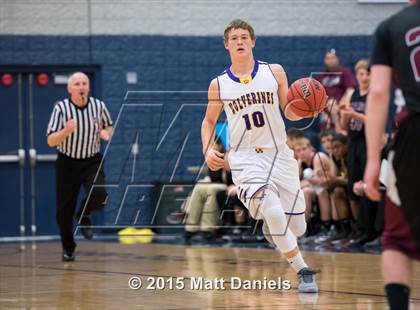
[(307, 281)]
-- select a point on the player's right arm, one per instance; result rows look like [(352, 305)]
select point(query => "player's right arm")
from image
[(214, 159), (377, 107), (376, 115), (56, 138), (281, 78)]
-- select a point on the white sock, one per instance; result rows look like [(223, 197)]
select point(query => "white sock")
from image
[(297, 262)]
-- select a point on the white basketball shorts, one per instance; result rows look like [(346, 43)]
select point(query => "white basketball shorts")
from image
[(254, 169)]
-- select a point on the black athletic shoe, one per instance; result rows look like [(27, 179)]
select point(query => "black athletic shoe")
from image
[(68, 256)]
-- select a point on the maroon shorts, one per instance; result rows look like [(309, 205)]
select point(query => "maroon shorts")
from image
[(397, 235)]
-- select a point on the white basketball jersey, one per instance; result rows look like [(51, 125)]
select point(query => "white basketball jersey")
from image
[(252, 109)]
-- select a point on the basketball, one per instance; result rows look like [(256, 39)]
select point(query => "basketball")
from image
[(306, 97)]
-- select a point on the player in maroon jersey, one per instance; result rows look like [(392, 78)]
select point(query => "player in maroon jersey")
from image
[(396, 50)]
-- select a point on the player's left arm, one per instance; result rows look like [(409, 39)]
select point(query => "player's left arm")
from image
[(281, 79)]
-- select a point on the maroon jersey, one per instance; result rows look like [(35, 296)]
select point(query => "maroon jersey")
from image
[(356, 128), (396, 44), (337, 82)]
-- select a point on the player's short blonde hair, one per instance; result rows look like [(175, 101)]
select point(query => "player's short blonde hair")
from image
[(362, 64), (238, 24), (302, 142)]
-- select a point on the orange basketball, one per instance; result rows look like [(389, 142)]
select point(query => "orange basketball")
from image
[(306, 97)]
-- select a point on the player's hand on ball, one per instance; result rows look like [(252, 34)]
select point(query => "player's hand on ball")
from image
[(215, 160), (70, 126)]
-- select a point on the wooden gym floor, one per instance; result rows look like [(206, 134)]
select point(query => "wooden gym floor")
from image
[(37, 279)]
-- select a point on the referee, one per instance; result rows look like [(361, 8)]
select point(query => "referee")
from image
[(76, 126)]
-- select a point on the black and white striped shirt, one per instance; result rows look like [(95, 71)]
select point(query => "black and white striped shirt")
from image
[(84, 142)]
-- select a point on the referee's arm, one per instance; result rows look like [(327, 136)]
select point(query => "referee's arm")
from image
[(106, 133), (56, 138)]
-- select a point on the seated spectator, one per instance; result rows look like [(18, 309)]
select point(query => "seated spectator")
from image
[(338, 187), (233, 212), (326, 137), (316, 170), (292, 135), (201, 208)]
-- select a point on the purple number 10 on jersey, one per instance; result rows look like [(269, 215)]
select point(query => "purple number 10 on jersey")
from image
[(257, 120)]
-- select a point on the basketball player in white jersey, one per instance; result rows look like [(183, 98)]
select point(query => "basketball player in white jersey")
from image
[(263, 167)]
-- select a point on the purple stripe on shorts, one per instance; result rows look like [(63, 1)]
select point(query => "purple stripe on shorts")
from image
[(288, 213), (258, 191)]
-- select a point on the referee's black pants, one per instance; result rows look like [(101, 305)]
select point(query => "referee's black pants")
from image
[(71, 174)]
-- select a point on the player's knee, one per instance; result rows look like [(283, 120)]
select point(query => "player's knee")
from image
[(300, 203), (269, 208), (301, 230), (298, 226)]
